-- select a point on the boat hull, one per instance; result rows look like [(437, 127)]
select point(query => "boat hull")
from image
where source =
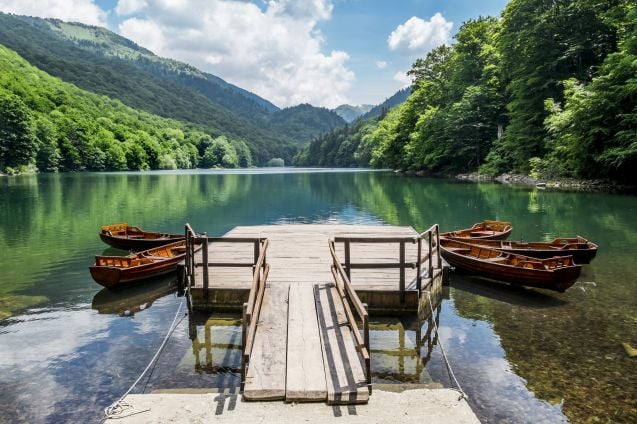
[(486, 230), (118, 271), (137, 243), (582, 251), (527, 272)]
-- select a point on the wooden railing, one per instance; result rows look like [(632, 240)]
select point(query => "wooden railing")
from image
[(252, 307), (350, 299), (402, 264), (432, 237), (260, 268)]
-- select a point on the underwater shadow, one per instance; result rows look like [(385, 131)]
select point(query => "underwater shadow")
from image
[(504, 292)]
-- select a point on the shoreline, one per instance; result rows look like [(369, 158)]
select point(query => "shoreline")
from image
[(574, 184)]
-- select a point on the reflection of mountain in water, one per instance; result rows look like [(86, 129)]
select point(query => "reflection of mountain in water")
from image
[(131, 300)]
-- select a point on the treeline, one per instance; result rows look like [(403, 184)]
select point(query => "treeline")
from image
[(549, 88), (51, 125)]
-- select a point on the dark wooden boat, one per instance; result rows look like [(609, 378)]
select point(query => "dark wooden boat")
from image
[(558, 273), (582, 250), (125, 237), (115, 271), (485, 230)]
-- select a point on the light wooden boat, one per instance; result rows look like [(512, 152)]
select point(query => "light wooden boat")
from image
[(126, 237), (558, 273), (582, 250), (485, 230), (117, 271)]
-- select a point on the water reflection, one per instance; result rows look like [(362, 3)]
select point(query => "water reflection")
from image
[(517, 353), (220, 347), (402, 347), (129, 301)]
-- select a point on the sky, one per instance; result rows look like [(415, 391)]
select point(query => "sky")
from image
[(322, 52)]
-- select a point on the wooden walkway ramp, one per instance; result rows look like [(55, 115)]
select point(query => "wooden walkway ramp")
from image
[(302, 339)]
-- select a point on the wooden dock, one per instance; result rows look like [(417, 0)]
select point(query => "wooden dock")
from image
[(305, 292)]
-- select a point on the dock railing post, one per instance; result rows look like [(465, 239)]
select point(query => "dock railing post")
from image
[(402, 272), (244, 333), (204, 257), (347, 259), (418, 267), (431, 258), (438, 246)]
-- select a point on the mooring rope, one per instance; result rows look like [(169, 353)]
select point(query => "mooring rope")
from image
[(463, 395), (117, 408)]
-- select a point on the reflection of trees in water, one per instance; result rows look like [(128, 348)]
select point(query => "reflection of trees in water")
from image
[(52, 218)]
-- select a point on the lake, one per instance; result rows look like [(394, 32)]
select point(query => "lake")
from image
[(68, 349)]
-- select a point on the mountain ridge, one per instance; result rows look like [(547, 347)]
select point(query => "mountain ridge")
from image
[(100, 61), (350, 112)]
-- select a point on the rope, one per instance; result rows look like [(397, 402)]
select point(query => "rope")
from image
[(117, 408), (463, 395)]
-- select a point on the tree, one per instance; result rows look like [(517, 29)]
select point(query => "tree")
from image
[(18, 144), (220, 153)]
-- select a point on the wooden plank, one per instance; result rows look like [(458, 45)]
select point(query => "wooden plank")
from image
[(305, 368), (265, 379), (344, 374)]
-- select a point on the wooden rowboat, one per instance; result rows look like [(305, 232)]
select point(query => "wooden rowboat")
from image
[(558, 273), (485, 230), (115, 271), (582, 250), (125, 237)]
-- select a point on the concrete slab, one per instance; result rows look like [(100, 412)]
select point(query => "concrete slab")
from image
[(411, 406)]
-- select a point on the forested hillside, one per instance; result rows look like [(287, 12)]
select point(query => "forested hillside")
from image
[(396, 99), (102, 62), (54, 125), (304, 122), (343, 146), (549, 88)]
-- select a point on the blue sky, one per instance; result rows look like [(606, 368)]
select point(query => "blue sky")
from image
[(323, 52)]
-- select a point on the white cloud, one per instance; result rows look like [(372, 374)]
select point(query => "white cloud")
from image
[(85, 11), (417, 36), (275, 52), (129, 7), (381, 64), (404, 79)]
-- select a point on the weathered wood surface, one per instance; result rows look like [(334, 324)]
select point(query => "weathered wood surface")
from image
[(345, 378), (305, 368), (304, 350), (299, 253), (265, 378)]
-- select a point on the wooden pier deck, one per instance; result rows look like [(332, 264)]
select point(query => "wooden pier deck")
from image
[(306, 345)]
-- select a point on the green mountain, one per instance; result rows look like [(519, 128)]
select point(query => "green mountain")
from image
[(349, 146), (110, 45), (349, 113), (304, 122), (55, 125), (103, 62), (396, 99)]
